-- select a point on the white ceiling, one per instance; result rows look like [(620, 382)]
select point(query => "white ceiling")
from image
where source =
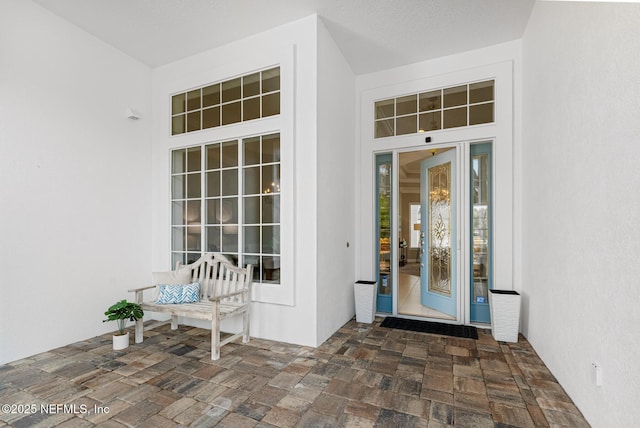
[(373, 35)]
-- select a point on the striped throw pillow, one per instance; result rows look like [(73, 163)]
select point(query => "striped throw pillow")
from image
[(179, 293)]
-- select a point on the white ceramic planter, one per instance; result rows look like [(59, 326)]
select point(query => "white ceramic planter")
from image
[(505, 314), (121, 342), (365, 297)]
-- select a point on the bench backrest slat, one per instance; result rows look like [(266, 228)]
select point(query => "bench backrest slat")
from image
[(217, 276)]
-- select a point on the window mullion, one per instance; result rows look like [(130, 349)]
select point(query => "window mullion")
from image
[(240, 197)]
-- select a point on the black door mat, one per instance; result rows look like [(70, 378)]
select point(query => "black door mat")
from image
[(465, 331)]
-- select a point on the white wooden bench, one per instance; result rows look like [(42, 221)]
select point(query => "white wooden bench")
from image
[(225, 290)]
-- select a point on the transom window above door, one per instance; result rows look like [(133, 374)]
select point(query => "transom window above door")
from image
[(451, 107), (248, 97)]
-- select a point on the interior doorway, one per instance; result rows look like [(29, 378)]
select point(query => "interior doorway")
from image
[(434, 230), (426, 231)]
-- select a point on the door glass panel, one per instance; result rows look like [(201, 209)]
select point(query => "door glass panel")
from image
[(383, 232), (480, 239), (440, 229), (480, 227)]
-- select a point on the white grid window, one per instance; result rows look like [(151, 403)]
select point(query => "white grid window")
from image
[(226, 198), (240, 99), (452, 107)]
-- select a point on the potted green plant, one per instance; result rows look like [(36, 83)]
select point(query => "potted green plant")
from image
[(121, 312)]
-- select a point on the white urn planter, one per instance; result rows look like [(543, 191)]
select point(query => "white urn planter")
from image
[(365, 298), (120, 341), (505, 314)]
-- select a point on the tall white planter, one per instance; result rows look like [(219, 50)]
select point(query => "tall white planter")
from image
[(365, 297), (505, 314)]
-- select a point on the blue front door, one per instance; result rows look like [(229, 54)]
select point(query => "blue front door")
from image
[(438, 241)]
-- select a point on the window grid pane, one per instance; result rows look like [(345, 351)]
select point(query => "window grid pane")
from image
[(451, 107), (226, 197), (249, 97)]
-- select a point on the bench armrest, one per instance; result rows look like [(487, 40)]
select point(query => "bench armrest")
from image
[(224, 296), (142, 288)]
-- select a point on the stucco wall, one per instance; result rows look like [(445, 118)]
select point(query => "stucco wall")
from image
[(580, 201), (336, 178), (74, 180)]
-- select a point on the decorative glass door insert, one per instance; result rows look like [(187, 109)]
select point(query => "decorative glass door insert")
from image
[(440, 229), (438, 259)]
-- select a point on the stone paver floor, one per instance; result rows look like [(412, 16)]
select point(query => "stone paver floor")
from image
[(363, 376)]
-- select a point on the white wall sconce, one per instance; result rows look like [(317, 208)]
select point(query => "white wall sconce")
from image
[(132, 114)]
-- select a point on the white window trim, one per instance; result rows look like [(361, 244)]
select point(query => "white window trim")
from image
[(500, 132), (283, 293)]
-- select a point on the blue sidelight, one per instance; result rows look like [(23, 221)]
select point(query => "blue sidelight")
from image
[(481, 231), (384, 268)]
